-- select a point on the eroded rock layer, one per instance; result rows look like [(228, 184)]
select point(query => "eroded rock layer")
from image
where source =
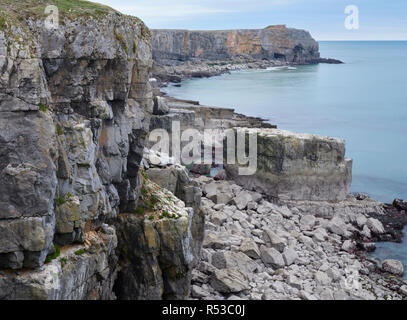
[(75, 107), (293, 166), (272, 43)]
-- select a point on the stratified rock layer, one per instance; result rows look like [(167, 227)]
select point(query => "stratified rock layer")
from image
[(294, 166), (75, 105), (272, 43)]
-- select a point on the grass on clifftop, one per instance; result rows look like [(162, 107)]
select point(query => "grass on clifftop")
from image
[(19, 10)]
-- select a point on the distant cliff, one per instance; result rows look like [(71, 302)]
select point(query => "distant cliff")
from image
[(277, 43)]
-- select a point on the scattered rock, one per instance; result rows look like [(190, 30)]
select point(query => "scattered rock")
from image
[(229, 281), (400, 204), (273, 240), (307, 222), (242, 199), (201, 169), (375, 226), (348, 246), (271, 257), (289, 256), (160, 106), (250, 248), (393, 266)]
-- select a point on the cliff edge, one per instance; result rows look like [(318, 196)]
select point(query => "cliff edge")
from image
[(272, 43), (75, 107)]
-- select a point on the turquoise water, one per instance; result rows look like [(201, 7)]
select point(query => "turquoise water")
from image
[(391, 250), (363, 101)]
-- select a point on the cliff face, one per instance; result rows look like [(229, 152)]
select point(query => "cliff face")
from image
[(75, 106), (272, 43), (73, 101), (298, 167)]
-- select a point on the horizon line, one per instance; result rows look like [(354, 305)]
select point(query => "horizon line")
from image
[(359, 40)]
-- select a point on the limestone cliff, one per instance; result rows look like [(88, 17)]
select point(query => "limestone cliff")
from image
[(272, 43), (75, 106), (292, 166)]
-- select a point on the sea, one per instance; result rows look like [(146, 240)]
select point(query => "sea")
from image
[(363, 101)]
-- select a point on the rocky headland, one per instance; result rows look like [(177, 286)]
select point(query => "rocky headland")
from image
[(182, 53), (88, 211)]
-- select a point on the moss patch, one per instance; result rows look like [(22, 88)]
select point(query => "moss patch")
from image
[(63, 262), (53, 256), (120, 38), (80, 252), (42, 107), (60, 130)]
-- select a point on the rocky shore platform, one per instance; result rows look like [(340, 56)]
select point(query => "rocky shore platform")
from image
[(182, 54), (293, 230), (88, 211)]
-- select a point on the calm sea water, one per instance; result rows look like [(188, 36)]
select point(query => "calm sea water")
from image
[(391, 250), (363, 101)]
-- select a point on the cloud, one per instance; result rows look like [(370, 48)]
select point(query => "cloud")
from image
[(159, 10), (168, 11)]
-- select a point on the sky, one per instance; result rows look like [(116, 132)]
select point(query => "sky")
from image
[(325, 19)]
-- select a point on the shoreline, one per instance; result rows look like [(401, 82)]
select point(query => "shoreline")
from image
[(207, 69), (394, 220)]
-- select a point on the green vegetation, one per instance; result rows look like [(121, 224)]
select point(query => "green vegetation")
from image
[(3, 22), (60, 130), (61, 200), (120, 38), (166, 214), (63, 262), (140, 210), (153, 201), (53, 256), (134, 47), (80, 252), (42, 107), (19, 10), (151, 218)]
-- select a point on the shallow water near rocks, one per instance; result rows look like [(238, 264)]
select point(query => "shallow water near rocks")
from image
[(391, 250), (363, 101)]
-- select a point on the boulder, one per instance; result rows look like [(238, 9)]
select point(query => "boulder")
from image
[(400, 204), (361, 220), (160, 106), (375, 226), (294, 282), (293, 166), (273, 240), (201, 169), (393, 266), (228, 259), (321, 278), (229, 281), (198, 292), (307, 222), (272, 258), (368, 246), (348, 246), (338, 226), (250, 248), (242, 199), (290, 256)]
